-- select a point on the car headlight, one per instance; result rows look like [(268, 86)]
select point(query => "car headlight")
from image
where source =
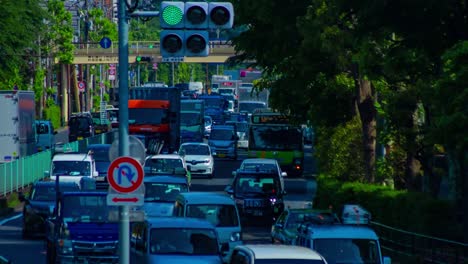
[(235, 236), (207, 161), (66, 246), (272, 201)]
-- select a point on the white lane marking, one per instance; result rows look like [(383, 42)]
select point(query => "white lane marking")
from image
[(4, 221)]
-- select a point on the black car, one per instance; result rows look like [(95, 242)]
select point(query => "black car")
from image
[(80, 126), (39, 205), (258, 194)]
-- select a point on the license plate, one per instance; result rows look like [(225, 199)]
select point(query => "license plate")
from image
[(79, 138), (221, 155), (257, 213), (98, 131), (100, 178)]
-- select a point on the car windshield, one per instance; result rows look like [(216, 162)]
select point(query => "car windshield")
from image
[(145, 116), (48, 193), (222, 134), (259, 166), (169, 165), (275, 138), (344, 250), (42, 128), (190, 119), (71, 168), (79, 123), (85, 208), (242, 126), (256, 184), (208, 121), (101, 154), (193, 149), (220, 215), (163, 192), (183, 241), (250, 107)]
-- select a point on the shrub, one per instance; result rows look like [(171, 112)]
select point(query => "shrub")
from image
[(52, 112)]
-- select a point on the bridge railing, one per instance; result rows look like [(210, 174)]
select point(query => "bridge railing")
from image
[(137, 46), (425, 249), (20, 173)]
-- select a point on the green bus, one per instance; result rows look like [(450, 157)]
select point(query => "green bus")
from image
[(271, 135)]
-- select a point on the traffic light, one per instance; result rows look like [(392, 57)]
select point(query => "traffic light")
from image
[(172, 15), (221, 15), (185, 26), (172, 43), (196, 15), (144, 59), (196, 43)]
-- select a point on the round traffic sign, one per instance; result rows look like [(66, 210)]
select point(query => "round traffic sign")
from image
[(125, 174), (81, 86)]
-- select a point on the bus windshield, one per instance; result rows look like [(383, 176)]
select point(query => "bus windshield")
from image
[(275, 137)]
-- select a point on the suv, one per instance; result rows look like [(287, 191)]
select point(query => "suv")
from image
[(81, 126), (275, 254), (223, 141), (258, 193)]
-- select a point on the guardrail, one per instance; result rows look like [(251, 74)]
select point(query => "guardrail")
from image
[(424, 248), (20, 173)]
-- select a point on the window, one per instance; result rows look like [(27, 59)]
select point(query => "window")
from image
[(163, 192), (341, 250), (163, 165), (42, 128), (222, 215), (47, 193), (71, 168), (178, 209), (195, 150), (222, 134), (186, 241)]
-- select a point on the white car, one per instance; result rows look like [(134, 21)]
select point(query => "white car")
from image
[(198, 158)]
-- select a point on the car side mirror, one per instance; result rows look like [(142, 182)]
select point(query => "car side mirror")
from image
[(234, 173), (387, 260), (284, 174), (46, 173), (279, 226), (55, 132), (229, 190), (95, 173)]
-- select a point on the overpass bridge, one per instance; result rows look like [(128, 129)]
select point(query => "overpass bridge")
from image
[(93, 53)]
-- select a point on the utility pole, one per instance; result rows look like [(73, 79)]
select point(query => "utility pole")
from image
[(87, 92), (124, 142)]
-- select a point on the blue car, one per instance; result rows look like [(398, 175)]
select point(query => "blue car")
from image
[(223, 141)]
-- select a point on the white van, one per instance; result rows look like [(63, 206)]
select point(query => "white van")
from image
[(196, 86), (71, 167), (217, 208)]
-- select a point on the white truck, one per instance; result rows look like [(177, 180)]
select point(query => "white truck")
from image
[(17, 132)]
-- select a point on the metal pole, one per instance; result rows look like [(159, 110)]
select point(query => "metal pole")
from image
[(124, 150), (172, 69)]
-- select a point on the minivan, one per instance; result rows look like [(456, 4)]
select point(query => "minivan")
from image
[(174, 240), (219, 209), (45, 135)]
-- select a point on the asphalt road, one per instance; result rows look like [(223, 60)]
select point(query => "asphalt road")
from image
[(300, 193)]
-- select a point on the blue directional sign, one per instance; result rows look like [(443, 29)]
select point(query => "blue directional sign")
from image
[(105, 42)]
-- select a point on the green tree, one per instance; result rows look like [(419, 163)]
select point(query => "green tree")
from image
[(101, 26), (20, 24)]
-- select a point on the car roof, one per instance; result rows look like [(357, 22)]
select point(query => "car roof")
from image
[(342, 231), (53, 183), (229, 127), (194, 143), (179, 222), (206, 198), (272, 251), (165, 156), (165, 179), (72, 157), (260, 161)]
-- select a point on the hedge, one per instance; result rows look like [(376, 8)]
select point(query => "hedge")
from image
[(410, 211)]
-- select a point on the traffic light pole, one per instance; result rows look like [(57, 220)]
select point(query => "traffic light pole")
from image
[(124, 145)]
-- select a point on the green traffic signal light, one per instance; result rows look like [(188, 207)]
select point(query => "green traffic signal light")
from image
[(138, 58), (172, 15)]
